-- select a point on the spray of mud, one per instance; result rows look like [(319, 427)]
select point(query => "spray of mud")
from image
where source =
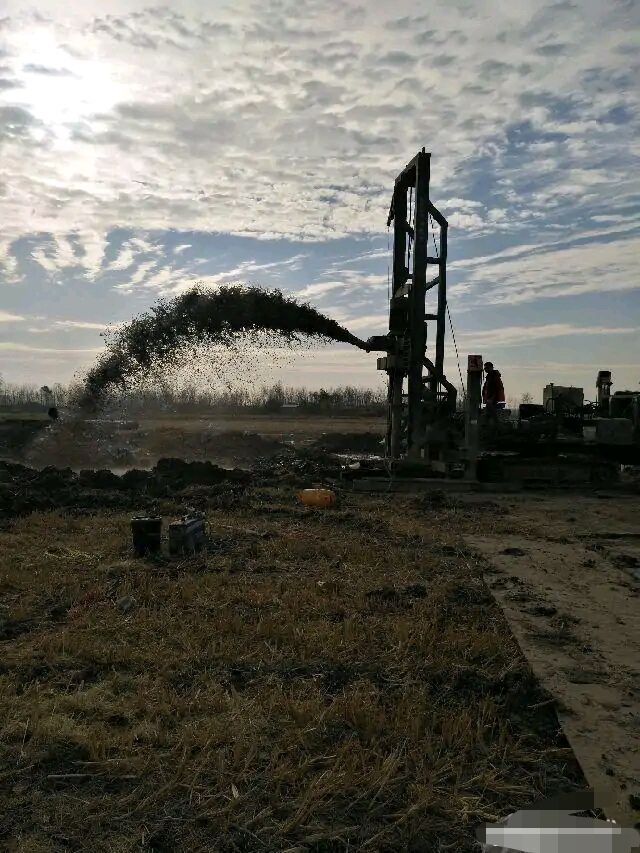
[(166, 336)]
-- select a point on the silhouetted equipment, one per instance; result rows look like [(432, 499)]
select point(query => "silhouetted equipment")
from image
[(427, 437), (146, 532), (612, 420), (416, 424), (603, 385), (188, 535)]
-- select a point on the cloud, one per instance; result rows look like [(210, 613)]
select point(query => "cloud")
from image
[(149, 266), (34, 68), (369, 322), (132, 251), (8, 83), (14, 346), (466, 221), (321, 288), (460, 204), (15, 123), (218, 116), (555, 272), (6, 317), (80, 324), (134, 139), (510, 336)]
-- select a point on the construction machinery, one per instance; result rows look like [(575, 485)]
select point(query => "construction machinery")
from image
[(429, 434), (415, 418), (611, 420)]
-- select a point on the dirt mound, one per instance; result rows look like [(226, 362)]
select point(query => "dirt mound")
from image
[(115, 444), (227, 447), (247, 444), (81, 443), (177, 472), (24, 490), (300, 468)]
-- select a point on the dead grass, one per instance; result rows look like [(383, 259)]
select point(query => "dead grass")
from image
[(317, 682)]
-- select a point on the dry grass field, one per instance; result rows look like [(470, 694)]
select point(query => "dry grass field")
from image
[(319, 680)]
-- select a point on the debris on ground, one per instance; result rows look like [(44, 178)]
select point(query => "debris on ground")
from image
[(352, 442)]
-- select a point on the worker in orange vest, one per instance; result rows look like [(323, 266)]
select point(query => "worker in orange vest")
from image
[(492, 390)]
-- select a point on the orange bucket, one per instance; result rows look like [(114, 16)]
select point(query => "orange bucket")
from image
[(317, 497)]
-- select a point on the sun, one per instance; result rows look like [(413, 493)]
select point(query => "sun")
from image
[(61, 89)]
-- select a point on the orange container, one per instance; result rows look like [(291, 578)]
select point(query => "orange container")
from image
[(317, 497)]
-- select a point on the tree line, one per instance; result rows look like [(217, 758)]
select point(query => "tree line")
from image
[(190, 398)]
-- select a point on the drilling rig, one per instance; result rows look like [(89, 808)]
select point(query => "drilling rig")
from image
[(428, 433), (421, 421)]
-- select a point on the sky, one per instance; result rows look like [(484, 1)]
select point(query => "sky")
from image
[(145, 148)]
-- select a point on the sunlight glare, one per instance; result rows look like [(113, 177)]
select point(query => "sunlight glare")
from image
[(73, 90)]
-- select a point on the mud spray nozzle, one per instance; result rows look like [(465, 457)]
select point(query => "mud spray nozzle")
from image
[(378, 343)]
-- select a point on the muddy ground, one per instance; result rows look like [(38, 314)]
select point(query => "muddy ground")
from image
[(229, 441), (567, 574)]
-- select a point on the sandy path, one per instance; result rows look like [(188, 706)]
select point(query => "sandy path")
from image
[(568, 579)]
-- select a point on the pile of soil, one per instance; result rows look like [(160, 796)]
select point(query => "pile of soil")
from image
[(114, 444), (229, 448), (78, 443), (24, 490), (303, 467), (202, 482)]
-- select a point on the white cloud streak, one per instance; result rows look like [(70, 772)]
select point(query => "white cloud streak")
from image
[(573, 271), (514, 336), (14, 346), (6, 317)]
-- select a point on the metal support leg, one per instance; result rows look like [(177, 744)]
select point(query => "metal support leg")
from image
[(395, 414), (472, 414), (417, 307)]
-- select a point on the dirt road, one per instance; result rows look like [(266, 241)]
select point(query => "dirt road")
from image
[(566, 571)]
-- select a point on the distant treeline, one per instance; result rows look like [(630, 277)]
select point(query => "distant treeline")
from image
[(31, 397), (192, 399)]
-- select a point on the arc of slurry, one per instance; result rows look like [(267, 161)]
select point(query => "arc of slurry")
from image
[(357, 342), (196, 315)]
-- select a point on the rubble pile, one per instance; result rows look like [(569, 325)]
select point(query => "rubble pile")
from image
[(24, 490)]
